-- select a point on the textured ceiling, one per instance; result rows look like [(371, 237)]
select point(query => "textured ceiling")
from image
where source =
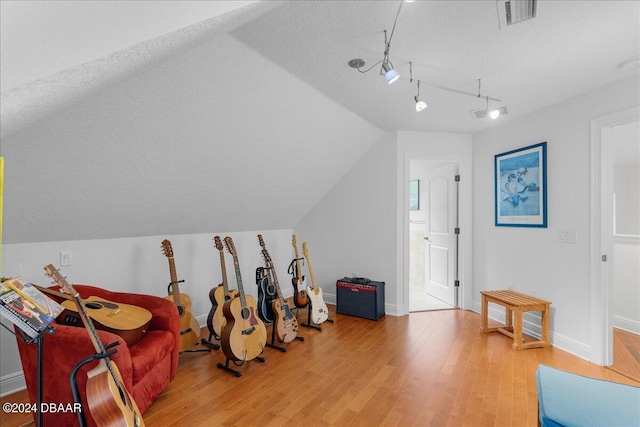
[(570, 47), (244, 121)]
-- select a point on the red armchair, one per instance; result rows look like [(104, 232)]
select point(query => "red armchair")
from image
[(147, 367)]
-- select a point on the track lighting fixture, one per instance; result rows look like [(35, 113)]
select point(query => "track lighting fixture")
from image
[(391, 75), (420, 105)]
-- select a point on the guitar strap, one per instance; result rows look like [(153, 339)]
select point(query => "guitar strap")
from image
[(292, 267)]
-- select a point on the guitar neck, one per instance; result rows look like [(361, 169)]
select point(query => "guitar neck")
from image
[(274, 276), (175, 288), (225, 284), (306, 255), (295, 249), (236, 264)]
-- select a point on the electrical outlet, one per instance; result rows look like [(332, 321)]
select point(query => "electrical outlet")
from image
[(65, 258), (567, 236), (533, 292), (354, 274)]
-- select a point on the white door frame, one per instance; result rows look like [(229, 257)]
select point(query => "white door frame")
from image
[(601, 137), (464, 161)]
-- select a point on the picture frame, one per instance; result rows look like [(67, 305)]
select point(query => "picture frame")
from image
[(414, 195), (520, 181)]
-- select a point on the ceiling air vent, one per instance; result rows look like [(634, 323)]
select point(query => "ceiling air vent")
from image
[(513, 11), (481, 114)]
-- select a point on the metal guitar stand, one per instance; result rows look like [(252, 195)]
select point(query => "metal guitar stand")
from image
[(192, 350), (228, 368), (74, 373), (39, 340), (309, 323)]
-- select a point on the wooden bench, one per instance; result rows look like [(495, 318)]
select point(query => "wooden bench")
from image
[(515, 304)]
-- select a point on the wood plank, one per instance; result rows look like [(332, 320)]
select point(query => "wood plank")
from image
[(425, 368)]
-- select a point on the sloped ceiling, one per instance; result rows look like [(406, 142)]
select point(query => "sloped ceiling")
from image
[(244, 121)]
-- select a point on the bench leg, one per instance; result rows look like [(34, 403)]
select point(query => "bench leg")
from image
[(484, 321), (517, 330)]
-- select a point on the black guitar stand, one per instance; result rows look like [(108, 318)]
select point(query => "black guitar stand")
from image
[(272, 344), (228, 368), (39, 340), (191, 350), (310, 324), (74, 372), (210, 343)]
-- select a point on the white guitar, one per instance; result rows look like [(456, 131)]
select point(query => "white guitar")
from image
[(319, 310)]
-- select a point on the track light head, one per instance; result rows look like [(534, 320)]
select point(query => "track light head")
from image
[(420, 105), (390, 74), (494, 114)]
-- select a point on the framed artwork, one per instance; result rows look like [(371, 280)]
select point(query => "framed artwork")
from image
[(520, 178), (414, 195)]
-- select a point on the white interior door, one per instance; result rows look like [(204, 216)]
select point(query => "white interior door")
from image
[(440, 233)]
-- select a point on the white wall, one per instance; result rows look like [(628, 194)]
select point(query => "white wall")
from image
[(353, 228), (532, 259), (138, 265)]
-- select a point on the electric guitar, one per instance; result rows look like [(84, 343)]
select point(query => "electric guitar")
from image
[(244, 336), (286, 323), (299, 284), (109, 401), (266, 294), (221, 293), (189, 327), (319, 310), (128, 321)]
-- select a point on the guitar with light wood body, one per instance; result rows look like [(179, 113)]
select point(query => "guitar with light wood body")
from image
[(128, 321), (285, 323), (189, 327), (108, 400), (319, 310), (299, 283), (221, 294), (244, 336)]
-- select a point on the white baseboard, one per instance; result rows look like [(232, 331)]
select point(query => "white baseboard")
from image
[(531, 327), (625, 324), (12, 383)]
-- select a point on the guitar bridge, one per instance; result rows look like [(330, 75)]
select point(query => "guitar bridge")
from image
[(249, 331)]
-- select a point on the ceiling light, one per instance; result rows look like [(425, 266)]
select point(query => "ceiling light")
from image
[(420, 105), (390, 74)]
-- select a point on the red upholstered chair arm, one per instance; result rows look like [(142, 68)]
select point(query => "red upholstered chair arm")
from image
[(164, 313)]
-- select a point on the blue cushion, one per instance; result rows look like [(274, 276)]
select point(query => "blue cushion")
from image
[(567, 399)]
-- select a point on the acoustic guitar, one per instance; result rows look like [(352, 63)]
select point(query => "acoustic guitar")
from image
[(299, 284), (108, 400), (285, 323), (319, 310), (128, 321), (244, 336), (218, 296), (189, 327)]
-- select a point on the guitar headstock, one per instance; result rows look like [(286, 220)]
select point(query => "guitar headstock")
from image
[(59, 280), (267, 257), (166, 248), (305, 250), (230, 246), (261, 241), (218, 243)]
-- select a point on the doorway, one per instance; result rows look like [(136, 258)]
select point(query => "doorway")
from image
[(610, 246), (433, 241)]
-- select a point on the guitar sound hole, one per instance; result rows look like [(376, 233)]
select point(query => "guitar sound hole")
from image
[(180, 310), (271, 289), (245, 313), (108, 305), (93, 305)]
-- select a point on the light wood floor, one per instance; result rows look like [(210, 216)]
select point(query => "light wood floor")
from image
[(429, 368), (626, 353)]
